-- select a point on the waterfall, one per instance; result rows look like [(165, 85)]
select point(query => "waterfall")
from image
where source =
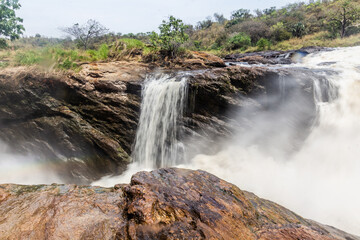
[(162, 106), (320, 180)]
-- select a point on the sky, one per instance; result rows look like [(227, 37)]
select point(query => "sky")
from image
[(46, 17)]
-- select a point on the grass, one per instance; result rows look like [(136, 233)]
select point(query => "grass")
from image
[(129, 48), (101, 54), (318, 39), (129, 43), (52, 57), (58, 58)]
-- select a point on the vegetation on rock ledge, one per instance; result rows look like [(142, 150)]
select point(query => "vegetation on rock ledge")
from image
[(326, 23)]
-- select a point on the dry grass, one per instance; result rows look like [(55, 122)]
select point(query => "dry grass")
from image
[(318, 39)]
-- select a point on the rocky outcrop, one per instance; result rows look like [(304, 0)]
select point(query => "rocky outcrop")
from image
[(191, 61), (162, 204), (84, 123), (274, 57), (217, 96)]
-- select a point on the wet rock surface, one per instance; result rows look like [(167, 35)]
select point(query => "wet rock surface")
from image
[(85, 121), (162, 204), (274, 57), (224, 102), (84, 124)]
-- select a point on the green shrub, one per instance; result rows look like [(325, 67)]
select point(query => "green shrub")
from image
[(263, 44), (172, 36), (239, 41)]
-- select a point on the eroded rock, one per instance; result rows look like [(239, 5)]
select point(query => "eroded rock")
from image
[(162, 204), (86, 121), (84, 124)]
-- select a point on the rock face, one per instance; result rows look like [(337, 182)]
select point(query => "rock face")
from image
[(162, 204), (85, 123), (217, 96), (274, 57)]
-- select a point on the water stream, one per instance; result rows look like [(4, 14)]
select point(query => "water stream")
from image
[(163, 100), (319, 181)]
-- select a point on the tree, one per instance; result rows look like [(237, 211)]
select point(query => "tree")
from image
[(10, 24), (343, 14), (279, 32), (205, 23), (238, 16), (86, 33), (242, 14), (172, 35), (258, 13), (219, 18), (298, 30), (269, 11), (255, 29)]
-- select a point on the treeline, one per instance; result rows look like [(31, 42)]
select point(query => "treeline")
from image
[(329, 22), (244, 29), (338, 18)]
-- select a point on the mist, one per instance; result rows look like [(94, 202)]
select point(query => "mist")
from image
[(320, 180), (312, 170), (24, 169)]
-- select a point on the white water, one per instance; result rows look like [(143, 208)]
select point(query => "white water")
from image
[(156, 143), (321, 181)]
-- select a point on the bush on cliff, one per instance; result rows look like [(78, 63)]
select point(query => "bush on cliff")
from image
[(172, 36), (128, 48)]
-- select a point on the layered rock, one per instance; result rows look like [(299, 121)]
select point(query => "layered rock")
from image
[(217, 96), (85, 121), (84, 124), (274, 57), (162, 204)]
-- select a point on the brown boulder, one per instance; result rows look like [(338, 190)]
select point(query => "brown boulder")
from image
[(162, 204)]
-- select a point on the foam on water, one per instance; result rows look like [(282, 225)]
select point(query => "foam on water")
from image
[(320, 181)]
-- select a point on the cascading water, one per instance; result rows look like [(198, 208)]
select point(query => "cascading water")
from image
[(320, 180), (156, 143)]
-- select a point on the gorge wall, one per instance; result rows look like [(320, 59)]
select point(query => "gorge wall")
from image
[(83, 124)]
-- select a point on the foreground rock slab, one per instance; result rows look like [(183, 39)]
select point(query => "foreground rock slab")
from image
[(162, 204)]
